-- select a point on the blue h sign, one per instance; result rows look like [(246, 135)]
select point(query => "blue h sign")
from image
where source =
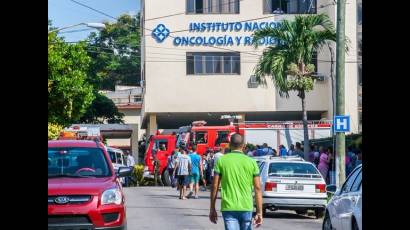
[(341, 124)]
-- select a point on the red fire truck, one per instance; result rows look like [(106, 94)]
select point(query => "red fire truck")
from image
[(274, 133)]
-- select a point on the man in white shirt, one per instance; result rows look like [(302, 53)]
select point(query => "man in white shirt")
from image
[(130, 160), (130, 163)]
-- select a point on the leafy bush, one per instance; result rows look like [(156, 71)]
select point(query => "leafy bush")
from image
[(138, 177), (54, 131)]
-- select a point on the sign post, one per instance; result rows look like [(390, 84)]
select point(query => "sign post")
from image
[(341, 124)]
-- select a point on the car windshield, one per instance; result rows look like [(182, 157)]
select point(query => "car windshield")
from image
[(77, 162), (293, 169)]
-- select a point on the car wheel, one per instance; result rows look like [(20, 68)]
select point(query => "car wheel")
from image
[(166, 178), (354, 225), (319, 213), (327, 224)]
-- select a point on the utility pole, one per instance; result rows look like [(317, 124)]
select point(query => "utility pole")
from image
[(340, 88)]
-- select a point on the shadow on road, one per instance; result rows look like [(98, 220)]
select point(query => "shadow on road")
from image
[(176, 197), (187, 208), (286, 215)]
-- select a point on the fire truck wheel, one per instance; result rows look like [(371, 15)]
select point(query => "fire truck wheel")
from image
[(166, 178)]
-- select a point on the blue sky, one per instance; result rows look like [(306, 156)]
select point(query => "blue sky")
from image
[(65, 13)]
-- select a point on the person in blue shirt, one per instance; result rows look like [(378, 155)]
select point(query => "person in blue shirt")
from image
[(282, 150), (259, 151), (196, 172)]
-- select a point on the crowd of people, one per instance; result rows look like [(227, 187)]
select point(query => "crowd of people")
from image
[(322, 157), (188, 169), (265, 150)]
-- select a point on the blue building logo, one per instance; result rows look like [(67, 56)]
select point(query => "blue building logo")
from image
[(160, 33)]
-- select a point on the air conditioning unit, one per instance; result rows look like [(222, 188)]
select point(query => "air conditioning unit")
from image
[(319, 77), (253, 82)]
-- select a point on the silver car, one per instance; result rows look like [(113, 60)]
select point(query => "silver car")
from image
[(344, 211), (290, 183)]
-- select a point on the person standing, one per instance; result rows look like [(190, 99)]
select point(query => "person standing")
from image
[(312, 153), (171, 165), (182, 171), (282, 150), (298, 151), (204, 179), (324, 164), (238, 176), (251, 151), (157, 167), (217, 155), (196, 172), (130, 163), (291, 149)]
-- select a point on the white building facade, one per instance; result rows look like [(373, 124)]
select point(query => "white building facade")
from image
[(198, 62)]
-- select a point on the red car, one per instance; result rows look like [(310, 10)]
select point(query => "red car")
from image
[(84, 191)]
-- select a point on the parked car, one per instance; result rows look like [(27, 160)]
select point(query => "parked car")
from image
[(84, 191), (290, 183), (118, 159), (344, 211)]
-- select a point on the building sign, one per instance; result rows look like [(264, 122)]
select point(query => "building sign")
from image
[(342, 124), (161, 32)]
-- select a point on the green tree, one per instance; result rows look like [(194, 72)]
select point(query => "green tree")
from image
[(289, 63), (115, 54), (69, 93), (102, 110)]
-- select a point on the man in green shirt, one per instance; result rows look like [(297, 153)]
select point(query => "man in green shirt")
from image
[(237, 174)]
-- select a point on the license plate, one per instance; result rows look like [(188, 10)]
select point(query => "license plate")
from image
[(297, 187)]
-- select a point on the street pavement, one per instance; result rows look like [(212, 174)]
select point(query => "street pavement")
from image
[(160, 208)]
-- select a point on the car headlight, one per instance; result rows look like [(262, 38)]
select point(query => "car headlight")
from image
[(111, 196)]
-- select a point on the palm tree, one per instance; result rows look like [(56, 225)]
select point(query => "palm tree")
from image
[(289, 63)]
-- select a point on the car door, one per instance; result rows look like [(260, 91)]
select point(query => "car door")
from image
[(350, 202), (344, 206)]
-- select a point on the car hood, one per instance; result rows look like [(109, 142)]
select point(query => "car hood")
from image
[(80, 186)]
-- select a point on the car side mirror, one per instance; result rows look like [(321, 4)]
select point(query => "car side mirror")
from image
[(124, 171), (331, 189)]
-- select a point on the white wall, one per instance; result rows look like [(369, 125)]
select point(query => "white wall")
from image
[(169, 89)]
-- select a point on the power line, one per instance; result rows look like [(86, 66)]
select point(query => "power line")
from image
[(93, 9), (184, 55)]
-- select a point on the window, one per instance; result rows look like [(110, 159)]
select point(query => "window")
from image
[(213, 63), (349, 181), (212, 6), (289, 6), (112, 156), (77, 162), (222, 137), (293, 170), (119, 158), (161, 145), (137, 98), (201, 137), (314, 60), (357, 183)]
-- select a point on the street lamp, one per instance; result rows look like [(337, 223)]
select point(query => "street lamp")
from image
[(95, 25)]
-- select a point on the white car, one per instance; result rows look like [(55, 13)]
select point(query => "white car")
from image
[(118, 159), (344, 211), (290, 183)]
